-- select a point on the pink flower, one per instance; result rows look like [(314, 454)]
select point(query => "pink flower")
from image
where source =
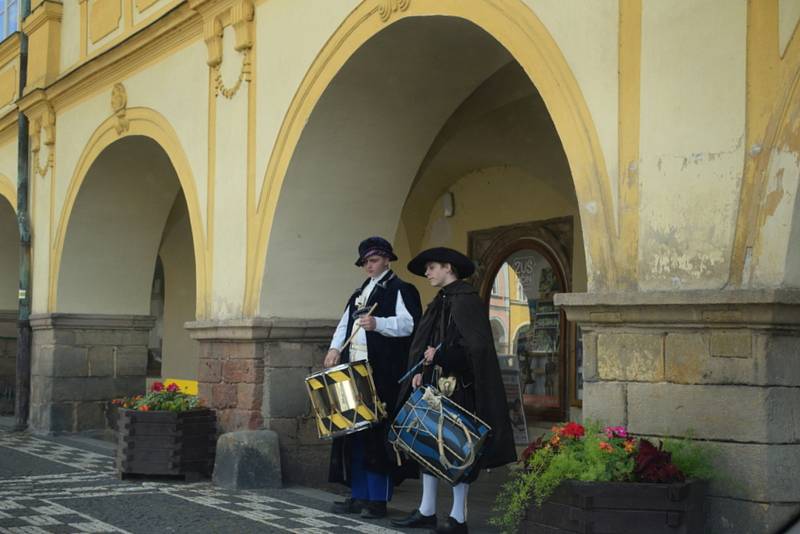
[(158, 386), (616, 432), (172, 387)]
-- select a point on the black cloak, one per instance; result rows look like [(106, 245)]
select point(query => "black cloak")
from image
[(458, 318), (388, 357)]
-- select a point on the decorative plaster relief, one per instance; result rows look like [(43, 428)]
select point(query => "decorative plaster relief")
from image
[(8, 86), (241, 18), (388, 7), (104, 18), (119, 105), (44, 124)]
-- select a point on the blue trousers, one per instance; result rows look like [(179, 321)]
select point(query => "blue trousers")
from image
[(365, 484)]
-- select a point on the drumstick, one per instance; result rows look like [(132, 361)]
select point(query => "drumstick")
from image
[(422, 361), (355, 330)]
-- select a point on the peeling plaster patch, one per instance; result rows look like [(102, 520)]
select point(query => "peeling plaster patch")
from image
[(775, 260), (591, 207), (774, 197), (755, 150), (689, 209)]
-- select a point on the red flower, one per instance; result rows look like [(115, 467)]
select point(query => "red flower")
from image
[(172, 387), (158, 386), (144, 408), (605, 446), (573, 430)]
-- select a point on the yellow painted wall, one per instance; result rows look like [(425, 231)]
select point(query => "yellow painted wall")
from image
[(291, 34), (692, 141), (587, 35), (491, 197), (9, 256)]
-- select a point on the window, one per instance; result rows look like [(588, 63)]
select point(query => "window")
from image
[(9, 20)]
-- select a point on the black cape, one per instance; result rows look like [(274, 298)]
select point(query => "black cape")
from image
[(388, 357), (462, 314)]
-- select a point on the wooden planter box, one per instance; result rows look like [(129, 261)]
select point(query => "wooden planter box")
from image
[(620, 508), (166, 443)]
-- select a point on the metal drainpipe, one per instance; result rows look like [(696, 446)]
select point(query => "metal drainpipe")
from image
[(23, 385)]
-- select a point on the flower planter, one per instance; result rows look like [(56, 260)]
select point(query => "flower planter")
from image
[(166, 443), (620, 508)]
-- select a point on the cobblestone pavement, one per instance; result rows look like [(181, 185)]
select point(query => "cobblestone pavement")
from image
[(49, 487)]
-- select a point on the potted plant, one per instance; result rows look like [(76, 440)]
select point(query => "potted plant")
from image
[(165, 432), (582, 479)]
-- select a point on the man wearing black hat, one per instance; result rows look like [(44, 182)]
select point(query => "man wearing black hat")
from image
[(362, 460), (458, 320)]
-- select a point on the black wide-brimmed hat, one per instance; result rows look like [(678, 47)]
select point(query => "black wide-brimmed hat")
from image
[(374, 246), (462, 264)]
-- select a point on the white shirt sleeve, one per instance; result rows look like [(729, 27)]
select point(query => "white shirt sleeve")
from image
[(401, 325), (340, 334)]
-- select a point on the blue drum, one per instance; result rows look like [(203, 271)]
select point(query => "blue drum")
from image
[(440, 435)]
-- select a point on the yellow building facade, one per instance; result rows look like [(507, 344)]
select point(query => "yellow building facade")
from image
[(200, 172)]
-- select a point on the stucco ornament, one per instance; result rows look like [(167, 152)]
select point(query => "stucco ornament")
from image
[(119, 105), (241, 19), (387, 7), (44, 125)]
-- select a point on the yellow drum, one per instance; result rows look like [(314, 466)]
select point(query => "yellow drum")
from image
[(344, 399)]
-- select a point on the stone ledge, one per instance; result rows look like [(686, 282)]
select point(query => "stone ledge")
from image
[(87, 321), (765, 308), (262, 328)]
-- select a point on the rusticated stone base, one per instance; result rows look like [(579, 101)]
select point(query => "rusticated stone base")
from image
[(717, 366), (80, 362), (8, 360), (253, 371)]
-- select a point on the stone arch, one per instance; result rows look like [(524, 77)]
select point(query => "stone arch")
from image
[(512, 25), (8, 191), (147, 124)]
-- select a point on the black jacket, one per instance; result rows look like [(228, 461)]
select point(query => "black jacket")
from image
[(388, 357), (458, 318)]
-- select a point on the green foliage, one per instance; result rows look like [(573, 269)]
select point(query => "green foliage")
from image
[(589, 454), (169, 398), (693, 458), (593, 456)]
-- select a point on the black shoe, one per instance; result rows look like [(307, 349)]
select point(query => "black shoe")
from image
[(451, 526), (416, 520), (348, 506), (374, 510)]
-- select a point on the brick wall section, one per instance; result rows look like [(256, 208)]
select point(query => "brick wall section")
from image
[(79, 363), (716, 366), (253, 373)]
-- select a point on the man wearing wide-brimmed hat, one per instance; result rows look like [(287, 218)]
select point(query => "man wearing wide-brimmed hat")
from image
[(457, 322), (361, 460)]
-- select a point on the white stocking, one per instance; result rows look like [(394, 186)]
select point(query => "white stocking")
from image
[(429, 486), (459, 511)]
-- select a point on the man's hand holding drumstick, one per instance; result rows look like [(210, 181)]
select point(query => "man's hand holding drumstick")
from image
[(367, 322)]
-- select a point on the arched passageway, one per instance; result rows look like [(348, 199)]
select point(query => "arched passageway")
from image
[(125, 287), (9, 282), (431, 133)]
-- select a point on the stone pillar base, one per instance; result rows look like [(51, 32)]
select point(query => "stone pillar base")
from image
[(717, 366), (8, 360), (253, 371), (79, 362)]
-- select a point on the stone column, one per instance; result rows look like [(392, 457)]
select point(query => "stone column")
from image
[(719, 366), (253, 371), (8, 360), (79, 362)]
